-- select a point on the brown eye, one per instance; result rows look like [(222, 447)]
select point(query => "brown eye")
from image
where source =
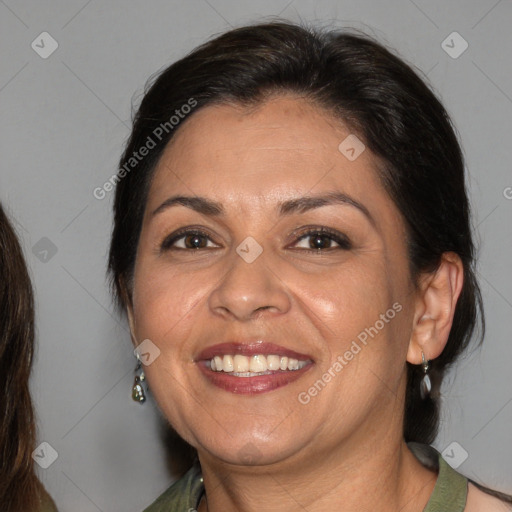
[(319, 240), (187, 240), (195, 241)]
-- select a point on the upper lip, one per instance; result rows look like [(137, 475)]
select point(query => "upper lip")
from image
[(249, 348)]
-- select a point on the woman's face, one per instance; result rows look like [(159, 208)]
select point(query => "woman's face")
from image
[(240, 270)]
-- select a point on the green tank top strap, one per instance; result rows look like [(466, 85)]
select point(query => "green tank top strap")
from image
[(450, 492), (183, 496)]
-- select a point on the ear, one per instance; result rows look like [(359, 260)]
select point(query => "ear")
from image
[(434, 309)]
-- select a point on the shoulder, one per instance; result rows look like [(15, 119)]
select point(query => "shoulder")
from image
[(47, 503), (182, 495), (480, 501)]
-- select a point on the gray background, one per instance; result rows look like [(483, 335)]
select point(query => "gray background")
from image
[(64, 121)]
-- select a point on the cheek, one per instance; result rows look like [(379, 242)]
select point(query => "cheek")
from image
[(348, 298), (164, 300), (360, 339), (359, 315), (165, 306)]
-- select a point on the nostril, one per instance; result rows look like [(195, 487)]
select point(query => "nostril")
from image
[(260, 311)]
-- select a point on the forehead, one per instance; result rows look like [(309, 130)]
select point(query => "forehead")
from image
[(283, 147)]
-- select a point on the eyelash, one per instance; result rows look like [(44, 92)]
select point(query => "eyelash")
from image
[(335, 236), (171, 239)]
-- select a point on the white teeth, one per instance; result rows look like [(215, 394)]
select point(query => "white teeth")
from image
[(293, 364), (273, 362), (258, 364), (251, 374), (240, 363), (227, 363), (218, 363)]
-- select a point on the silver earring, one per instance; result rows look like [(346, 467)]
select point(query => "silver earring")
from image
[(426, 384), (138, 394)]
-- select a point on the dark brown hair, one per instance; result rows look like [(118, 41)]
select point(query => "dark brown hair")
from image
[(20, 489), (381, 99)]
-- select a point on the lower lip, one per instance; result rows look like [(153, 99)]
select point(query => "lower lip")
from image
[(252, 385)]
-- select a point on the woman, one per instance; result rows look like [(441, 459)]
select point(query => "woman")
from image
[(292, 246), (20, 489)]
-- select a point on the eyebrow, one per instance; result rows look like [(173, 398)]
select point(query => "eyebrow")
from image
[(211, 208)]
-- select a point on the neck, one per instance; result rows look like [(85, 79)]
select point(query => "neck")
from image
[(360, 475)]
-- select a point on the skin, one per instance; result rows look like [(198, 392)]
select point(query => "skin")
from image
[(344, 448)]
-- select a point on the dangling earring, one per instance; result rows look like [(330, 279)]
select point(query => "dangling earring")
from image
[(426, 384), (137, 390)]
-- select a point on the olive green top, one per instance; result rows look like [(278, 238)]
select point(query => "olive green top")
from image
[(449, 494), (47, 504)]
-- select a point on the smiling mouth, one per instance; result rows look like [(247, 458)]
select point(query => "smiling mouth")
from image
[(239, 365), (252, 368)]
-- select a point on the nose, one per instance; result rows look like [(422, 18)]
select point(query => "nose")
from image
[(248, 290)]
